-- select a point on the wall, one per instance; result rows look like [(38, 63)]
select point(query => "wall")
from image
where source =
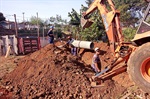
[(9, 40)]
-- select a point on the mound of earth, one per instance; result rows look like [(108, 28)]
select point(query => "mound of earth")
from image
[(106, 58), (105, 54), (51, 73)]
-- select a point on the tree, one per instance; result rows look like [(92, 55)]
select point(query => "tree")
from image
[(75, 22), (2, 18), (57, 20), (88, 2), (52, 20), (129, 33), (124, 6), (92, 33), (75, 17), (34, 20), (96, 30), (46, 22)]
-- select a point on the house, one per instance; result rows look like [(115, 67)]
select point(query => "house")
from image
[(20, 26), (8, 24), (19, 45), (5, 31)]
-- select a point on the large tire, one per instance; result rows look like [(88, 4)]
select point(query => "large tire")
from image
[(139, 67)]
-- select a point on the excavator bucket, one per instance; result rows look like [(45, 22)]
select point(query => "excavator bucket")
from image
[(85, 23), (98, 79), (97, 84)]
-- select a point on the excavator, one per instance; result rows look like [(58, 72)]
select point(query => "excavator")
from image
[(133, 56)]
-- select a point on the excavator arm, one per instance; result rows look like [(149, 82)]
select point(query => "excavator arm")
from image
[(126, 54), (110, 19)]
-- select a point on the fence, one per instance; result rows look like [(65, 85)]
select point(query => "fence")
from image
[(6, 41), (21, 45)]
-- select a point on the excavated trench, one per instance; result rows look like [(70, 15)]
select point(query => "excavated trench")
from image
[(53, 73)]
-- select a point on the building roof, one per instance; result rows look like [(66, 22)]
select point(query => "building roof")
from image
[(4, 31)]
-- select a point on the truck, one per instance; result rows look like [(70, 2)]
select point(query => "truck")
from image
[(134, 55)]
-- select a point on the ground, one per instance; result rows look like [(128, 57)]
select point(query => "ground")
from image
[(53, 73)]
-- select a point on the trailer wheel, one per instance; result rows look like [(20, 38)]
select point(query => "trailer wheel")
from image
[(139, 67)]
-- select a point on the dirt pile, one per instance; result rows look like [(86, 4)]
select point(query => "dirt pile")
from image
[(8, 64), (51, 73), (105, 54), (106, 58)]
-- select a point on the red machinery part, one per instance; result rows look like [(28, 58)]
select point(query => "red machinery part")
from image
[(145, 69)]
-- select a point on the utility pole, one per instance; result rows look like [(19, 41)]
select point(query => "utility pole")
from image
[(23, 21), (43, 33), (9, 25), (37, 24), (16, 28)]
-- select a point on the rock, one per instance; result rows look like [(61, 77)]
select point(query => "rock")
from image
[(9, 88), (40, 94), (61, 93), (17, 90), (59, 85), (71, 96), (1, 93)]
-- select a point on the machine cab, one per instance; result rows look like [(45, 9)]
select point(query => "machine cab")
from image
[(143, 32)]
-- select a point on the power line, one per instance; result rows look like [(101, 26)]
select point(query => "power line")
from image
[(20, 17), (28, 17), (10, 17)]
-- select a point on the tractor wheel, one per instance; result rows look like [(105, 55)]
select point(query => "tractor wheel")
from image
[(139, 67)]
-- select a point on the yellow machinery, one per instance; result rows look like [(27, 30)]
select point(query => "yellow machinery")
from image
[(135, 56)]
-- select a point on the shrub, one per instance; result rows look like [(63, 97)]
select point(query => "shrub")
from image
[(129, 34)]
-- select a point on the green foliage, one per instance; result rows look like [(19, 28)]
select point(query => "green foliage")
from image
[(2, 18), (34, 20), (88, 2), (131, 3), (124, 5), (67, 28), (148, 21), (94, 32), (75, 32), (124, 15), (129, 33), (75, 18), (58, 33), (57, 20)]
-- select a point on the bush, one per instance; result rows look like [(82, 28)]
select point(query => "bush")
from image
[(58, 33), (129, 34)]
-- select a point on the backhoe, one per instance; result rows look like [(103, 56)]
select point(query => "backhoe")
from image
[(134, 55)]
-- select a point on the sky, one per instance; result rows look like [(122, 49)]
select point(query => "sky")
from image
[(44, 8)]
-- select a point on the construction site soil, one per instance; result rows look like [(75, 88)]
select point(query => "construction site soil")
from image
[(53, 73)]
